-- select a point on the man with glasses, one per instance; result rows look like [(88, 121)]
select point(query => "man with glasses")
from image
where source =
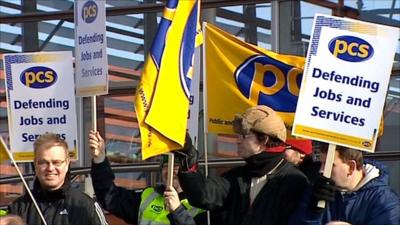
[(263, 191), (59, 203)]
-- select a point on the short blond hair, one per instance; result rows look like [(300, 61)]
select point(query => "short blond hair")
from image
[(48, 140)]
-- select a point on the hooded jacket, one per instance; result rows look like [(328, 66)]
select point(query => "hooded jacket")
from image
[(371, 203), (65, 206), (228, 196)]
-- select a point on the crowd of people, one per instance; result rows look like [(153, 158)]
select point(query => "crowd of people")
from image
[(280, 183)]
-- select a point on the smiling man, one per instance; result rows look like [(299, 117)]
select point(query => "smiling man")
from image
[(59, 203)]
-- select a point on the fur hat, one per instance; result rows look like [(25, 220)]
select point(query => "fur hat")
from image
[(301, 145), (260, 119)]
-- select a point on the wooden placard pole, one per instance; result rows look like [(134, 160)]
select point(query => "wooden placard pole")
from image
[(330, 157), (94, 113), (170, 177)]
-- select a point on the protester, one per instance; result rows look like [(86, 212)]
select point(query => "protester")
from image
[(297, 149), (10, 219), (263, 191), (358, 193), (153, 205), (58, 201), (300, 153)]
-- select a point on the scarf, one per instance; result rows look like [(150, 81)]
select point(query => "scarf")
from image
[(260, 164)]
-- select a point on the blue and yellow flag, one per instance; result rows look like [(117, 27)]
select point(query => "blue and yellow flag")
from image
[(162, 98), (240, 75)]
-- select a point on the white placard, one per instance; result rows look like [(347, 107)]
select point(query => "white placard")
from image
[(345, 82), (40, 99), (91, 64)]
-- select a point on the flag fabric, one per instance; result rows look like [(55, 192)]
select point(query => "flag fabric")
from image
[(240, 75), (162, 97), (3, 150)]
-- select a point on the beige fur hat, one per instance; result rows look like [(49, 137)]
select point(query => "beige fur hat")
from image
[(261, 119)]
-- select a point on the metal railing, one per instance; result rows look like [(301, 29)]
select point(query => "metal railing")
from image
[(129, 167), (154, 166)]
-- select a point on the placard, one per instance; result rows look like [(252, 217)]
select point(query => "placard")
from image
[(345, 82), (40, 99)]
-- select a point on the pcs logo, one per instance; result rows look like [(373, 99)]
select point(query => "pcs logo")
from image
[(89, 11), (38, 77), (266, 81), (350, 48)]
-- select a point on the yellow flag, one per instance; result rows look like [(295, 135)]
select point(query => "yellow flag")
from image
[(240, 75), (162, 97), (3, 150)]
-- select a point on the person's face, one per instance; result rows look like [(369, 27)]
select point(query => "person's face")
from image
[(248, 145), (294, 156), (175, 180), (51, 166), (341, 171)]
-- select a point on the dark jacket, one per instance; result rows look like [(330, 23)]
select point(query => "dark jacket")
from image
[(125, 203), (227, 196), (374, 203), (66, 206)]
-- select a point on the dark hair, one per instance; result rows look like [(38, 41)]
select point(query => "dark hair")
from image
[(272, 141), (347, 154)]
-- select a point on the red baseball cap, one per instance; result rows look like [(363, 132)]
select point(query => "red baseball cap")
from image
[(301, 145), (277, 149)]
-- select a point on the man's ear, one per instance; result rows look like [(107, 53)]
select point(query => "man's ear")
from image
[(68, 162), (266, 139), (352, 166)]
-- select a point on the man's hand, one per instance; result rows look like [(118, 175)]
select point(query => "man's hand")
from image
[(337, 223), (324, 189), (97, 147), (187, 156), (171, 199)]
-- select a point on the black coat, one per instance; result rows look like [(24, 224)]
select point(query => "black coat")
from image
[(228, 198), (66, 206)]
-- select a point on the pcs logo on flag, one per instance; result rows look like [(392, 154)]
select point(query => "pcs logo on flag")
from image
[(187, 52), (278, 79)]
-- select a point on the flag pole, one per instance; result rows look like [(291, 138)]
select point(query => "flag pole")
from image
[(10, 156), (205, 122), (205, 102)]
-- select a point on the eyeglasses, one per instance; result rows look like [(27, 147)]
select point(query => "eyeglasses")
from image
[(244, 136), (45, 164)]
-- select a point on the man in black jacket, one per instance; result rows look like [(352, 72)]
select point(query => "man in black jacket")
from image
[(152, 205), (59, 203), (263, 191)]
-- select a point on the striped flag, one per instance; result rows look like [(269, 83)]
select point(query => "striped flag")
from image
[(162, 97)]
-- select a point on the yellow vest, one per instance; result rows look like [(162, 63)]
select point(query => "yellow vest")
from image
[(3, 212), (152, 209)]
